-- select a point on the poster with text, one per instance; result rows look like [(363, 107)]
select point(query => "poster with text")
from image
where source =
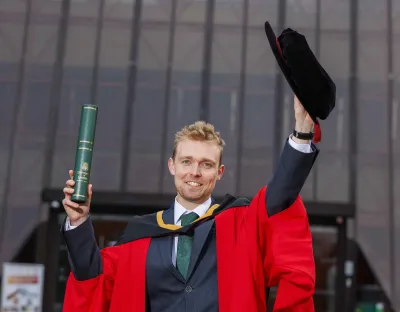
[(22, 287)]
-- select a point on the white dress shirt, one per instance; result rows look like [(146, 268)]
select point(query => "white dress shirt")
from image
[(304, 148), (179, 210)]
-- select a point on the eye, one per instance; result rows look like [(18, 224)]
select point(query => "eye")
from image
[(186, 162), (207, 165)]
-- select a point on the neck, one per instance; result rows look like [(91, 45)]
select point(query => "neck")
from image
[(189, 205)]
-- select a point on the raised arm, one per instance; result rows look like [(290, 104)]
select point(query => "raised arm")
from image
[(91, 282), (289, 259), (295, 163)]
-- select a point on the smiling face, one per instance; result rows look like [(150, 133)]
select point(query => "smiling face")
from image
[(196, 168)]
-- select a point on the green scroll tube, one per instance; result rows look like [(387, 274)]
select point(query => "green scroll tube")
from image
[(84, 152)]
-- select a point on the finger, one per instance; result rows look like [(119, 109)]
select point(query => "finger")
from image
[(68, 190), (64, 202), (90, 192), (69, 203), (67, 196), (76, 209), (71, 174), (70, 183)]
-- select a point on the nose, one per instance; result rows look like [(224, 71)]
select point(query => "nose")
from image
[(195, 170)]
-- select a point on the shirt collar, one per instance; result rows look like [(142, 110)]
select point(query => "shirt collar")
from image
[(179, 210)]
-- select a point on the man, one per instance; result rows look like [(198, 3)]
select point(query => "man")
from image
[(198, 255)]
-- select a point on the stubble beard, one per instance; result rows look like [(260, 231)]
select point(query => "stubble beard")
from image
[(192, 199)]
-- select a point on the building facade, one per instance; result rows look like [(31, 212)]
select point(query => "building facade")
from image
[(153, 66)]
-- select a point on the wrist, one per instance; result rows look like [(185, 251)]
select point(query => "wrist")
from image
[(304, 127), (299, 141), (78, 222), (303, 133)]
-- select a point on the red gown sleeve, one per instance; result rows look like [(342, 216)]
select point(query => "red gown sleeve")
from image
[(93, 295), (286, 244)]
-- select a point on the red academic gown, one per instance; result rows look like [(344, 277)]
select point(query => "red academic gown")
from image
[(254, 252)]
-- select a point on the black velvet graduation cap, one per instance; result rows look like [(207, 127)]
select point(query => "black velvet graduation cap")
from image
[(308, 80)]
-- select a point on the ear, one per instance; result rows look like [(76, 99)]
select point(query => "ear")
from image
[(220, 172), (171, 166)]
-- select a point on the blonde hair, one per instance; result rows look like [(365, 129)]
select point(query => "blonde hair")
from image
[(199, 131)]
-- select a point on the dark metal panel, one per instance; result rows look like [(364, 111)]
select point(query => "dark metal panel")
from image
[(317, 55), (242, 94), (279, 91), (43, 236), (167, 99), (55, 95), (52, 241), (340, 285), (131, 96), (20, 93), (97, 52), (353, 102), (113, 69), (353, 148), (390, 84), (390, 138), (51, 19), (207, 58), (352, 284)]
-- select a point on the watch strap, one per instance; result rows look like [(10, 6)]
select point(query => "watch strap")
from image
[(303, 136)]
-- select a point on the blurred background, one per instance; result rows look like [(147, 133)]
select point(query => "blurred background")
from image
[(153, 66)]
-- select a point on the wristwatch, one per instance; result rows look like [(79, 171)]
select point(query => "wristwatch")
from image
[(303, 136)]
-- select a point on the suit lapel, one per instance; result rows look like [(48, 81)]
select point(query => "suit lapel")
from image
[(165, 245), (200, 237), (201, 234)]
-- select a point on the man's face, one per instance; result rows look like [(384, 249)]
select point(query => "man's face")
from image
[(195, 169)]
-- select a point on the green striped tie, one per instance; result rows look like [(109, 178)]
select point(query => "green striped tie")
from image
[(185, 245)]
